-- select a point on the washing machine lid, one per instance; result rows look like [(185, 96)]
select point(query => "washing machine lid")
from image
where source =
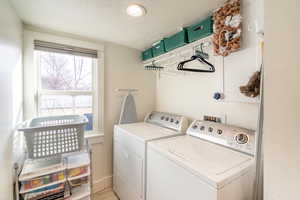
[(144, 131), (214, 164)]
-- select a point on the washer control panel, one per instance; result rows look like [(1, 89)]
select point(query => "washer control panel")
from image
[(172, 121), (237, 138)]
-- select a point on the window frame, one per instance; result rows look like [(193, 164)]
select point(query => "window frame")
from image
[(93, 92), (32, 85)]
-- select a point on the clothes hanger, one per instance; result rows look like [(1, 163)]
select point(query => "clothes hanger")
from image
[(200, 58)]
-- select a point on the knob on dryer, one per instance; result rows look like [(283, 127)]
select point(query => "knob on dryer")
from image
[(241, 138)]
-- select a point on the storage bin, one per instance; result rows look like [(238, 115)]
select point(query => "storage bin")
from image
[(147, 54), (177, 40), (55, 135), (78, 171), (200, 30), (43, 180), (79, 181), (158, 48), (82, 192), (49, 192), (78, 165)]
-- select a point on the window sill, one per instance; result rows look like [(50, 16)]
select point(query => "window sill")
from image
[(92, 134)]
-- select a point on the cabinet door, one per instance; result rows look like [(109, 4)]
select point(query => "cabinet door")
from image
[(128, 172)]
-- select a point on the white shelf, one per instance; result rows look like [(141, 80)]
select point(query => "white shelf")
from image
[(177, 51), (35, 169)]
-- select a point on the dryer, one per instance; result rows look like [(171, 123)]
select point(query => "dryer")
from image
[(212, 162), (130, 148)]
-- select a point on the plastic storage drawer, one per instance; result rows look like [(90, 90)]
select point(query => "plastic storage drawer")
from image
[(82, 192), (177, 40), (78, 171), (43, 180), (200, 30), (57, 191), (79, 181), (78, 165), (159, 48), (147, 54)]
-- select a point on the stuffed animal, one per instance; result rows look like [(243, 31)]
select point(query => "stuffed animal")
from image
[(252, 89)]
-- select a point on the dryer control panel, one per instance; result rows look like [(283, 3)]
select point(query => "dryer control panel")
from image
[(236, 138), (172, 121)]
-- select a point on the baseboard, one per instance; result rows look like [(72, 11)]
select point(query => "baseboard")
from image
[(102, 184)]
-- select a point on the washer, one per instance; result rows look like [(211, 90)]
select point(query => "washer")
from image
[(212, 162), (130, 147)]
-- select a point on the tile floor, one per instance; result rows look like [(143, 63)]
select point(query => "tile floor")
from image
[(105, 195)]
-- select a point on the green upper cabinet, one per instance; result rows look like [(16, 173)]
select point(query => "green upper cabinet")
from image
[(200, 30)]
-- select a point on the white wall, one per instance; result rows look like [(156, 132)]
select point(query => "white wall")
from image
[(192, 95), (281, 111), (122, 69), (11, 91)]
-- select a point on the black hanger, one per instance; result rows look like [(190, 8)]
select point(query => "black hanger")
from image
[(201, 59)]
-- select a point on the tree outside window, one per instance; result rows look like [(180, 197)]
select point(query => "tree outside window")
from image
[(66, 85)]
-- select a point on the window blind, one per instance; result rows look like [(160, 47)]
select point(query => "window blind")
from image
[(66, 49)]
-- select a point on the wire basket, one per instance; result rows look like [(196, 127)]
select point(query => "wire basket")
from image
[(55, 135)]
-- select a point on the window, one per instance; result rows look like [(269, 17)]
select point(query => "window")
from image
[(67, 81)]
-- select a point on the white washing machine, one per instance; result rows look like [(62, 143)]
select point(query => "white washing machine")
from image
[(212, 162), (130, 147)]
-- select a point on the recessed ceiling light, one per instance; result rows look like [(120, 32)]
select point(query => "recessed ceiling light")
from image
[(136, 10)]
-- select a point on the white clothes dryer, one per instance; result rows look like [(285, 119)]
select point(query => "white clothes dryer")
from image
[(130, 147)]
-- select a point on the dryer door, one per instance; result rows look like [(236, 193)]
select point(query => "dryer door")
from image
[(129, 168)]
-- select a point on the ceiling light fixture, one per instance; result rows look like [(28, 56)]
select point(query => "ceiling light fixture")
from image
[(136, 10)]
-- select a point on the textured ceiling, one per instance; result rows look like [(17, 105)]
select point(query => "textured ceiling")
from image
[(107, 19)]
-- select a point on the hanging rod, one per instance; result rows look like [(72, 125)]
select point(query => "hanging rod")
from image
[(126, 90), (200, 58), (153, 67)]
